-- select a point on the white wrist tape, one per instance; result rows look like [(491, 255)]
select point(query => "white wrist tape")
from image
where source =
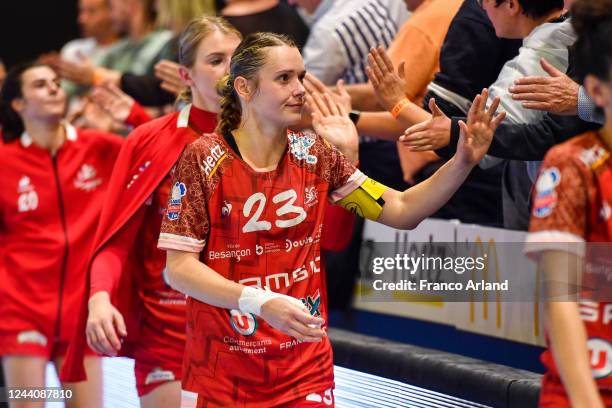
[(252, 299)]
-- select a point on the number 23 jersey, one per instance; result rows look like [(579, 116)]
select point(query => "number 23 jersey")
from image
[(260, 229)]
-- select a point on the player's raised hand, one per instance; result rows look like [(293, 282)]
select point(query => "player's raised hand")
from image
[(477, 134), (103, 323), (331, 121), (291, 317)]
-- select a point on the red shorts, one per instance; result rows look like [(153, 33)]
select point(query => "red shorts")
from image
[(324, 399), (34, 343), (553, 394), (159, 354)]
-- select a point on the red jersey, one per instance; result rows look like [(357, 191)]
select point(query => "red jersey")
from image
[(49, 209), (572, 205), (260, 229)]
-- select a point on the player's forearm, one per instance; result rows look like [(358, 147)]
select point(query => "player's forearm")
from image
[(568, 340), (407, 209), (195, 279), (363, 97), (379, 125)]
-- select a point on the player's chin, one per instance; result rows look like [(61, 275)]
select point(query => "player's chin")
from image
[(292, 114)]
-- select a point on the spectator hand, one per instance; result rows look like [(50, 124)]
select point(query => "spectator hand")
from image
[(557, 94), (113, 101), (168, 72), (331, 121), (339, 95), (429, 135), (477, 134), (388, 85)]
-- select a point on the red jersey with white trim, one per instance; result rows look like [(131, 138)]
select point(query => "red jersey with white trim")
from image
[(260, 229), (49, 209), (571, 208)]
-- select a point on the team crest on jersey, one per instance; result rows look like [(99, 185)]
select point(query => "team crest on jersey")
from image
[(313, 303), (174, 206), (546, 197), (28, 198), (226, 210), (300, 145), (310, 196), (243, 323), (594, 157), (600, 353), (86, 178)]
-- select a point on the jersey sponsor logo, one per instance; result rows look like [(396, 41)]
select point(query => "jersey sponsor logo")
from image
[(142, 168), (300, 145), (243, 323), (600, 352), (589, 312), (230, 253), (313, 303), (254, 207), (174, 206), (28, 198), (159, 375), (310, 196), (289, 244), (278, 281), (211, 163), (32, 336), (546, 197), (86, 178), (594, 157)]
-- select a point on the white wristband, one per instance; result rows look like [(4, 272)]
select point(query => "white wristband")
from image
[(253, 298)]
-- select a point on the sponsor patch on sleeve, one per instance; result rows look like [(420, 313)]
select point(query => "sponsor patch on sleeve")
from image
[(546, 197), (174, 206)]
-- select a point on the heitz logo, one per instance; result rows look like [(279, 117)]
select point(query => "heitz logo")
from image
[(310, 195), (212, 161), (243, 323), (289, 245), (28, 198), (313, 303), (600, 352), (86, 178)]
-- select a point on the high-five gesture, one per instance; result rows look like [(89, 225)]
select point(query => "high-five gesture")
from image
[(331, 121), (477, 134), (388, 85)]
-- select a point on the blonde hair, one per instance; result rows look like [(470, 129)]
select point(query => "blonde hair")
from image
[(191, 37), (174, 15)]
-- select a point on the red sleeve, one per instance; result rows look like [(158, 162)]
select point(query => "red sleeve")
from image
[(137, 116), (108, 264)]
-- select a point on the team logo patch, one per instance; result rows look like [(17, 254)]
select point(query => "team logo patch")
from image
[(86, 178), (594, 157), (300, 147), (600, 352), (28, 198), (546, 197), (174, 207), (310, 195), (243, 323)]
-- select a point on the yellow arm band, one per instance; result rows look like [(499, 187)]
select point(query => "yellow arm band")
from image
[(366, 201)]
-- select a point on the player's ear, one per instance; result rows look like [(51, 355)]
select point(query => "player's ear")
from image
[(244, 88)]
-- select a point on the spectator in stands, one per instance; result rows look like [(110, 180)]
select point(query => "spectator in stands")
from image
[(275, 16), (545, 33), (571, 213), (98, 35)]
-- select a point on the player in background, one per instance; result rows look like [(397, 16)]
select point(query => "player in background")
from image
[(246, 213), (130, 310), (571, 219), (54, 178)]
